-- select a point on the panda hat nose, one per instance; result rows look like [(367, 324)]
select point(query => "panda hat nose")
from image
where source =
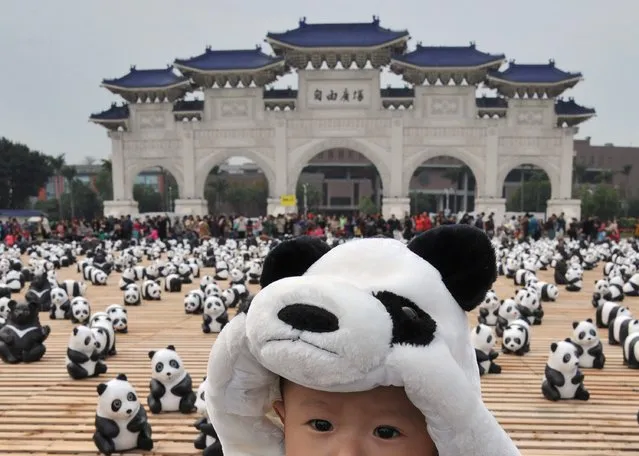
[(129, 411), (306, 317)]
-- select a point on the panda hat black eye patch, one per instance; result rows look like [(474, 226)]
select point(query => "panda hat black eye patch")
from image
[(411, 325)]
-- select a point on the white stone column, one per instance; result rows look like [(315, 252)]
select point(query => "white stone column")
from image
[(191, 201), (123, 202), (488, 199), (396, 185), (395, 206), (275, 208), (283, 182)]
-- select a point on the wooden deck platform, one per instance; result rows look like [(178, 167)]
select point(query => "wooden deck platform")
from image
[(43, 411)]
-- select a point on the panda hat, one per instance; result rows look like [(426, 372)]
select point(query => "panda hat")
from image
[(367, 313)]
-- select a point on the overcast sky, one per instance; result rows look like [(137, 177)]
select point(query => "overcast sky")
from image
[(54, 54)]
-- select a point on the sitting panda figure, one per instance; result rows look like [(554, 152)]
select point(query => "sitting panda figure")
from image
[(98, 277), (589, 347), (489, 309), (80, 310), (14, 280), (620, 328), (171, 386), (151, 291), (236, 277), (631, 351), (207, 439), (127, 278), (521, 276), (121, 423), (119, 318), (206, 280), (221, 271), (132, 295), (215, 316), (483, 340), (152, 272), (598, 299), (173, 283), (516, 338), (254, 273), (631, 287), (530, 306), (212, 289), (22, 337), (548, 292), (607, 312), (60, 305), (195, 269), (185, 273), (615, 287), (194, 302), (562, 377), (74, 288), (101, 320), (83, 356), (507, 313), (40, 292), (574, 279), (561, 267)]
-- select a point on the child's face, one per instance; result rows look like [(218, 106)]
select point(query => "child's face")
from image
[(379, 422)]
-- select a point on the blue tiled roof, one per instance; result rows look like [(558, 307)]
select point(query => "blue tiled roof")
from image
[(280, 94), (115, 112), (141, 79), (307, 35), (570, 108), (188, 106), (485, 102), (242, 59), (546, 73), (448, 57), (397, 92)]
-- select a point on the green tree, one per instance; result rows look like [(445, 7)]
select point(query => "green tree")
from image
[(367, 206), (313, 196), (104, 181), (215, 191), (422, 202), (600, 201), (605, 176), (23, 172), (69, 173), (149, 200), (579, 171), (626, 170)]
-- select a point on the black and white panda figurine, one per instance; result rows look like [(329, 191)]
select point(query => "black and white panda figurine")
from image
[(119, 318), (127, 278), (254, 273), (206, 280), (507, 312), (574, 280), (83, 355), (607, 312), (98, 277), (207, 439), (529, 306), (212, 289), (590, 348), (194, 302), (631, 351), (631, 287), (173, 283), (5, 291), (221, 271), (195, 269), (151, 291), (562, 377), (615, 286), (516, 338), (236, 276), (132, 295), (620, 328), (185, 273), (121, 423), (14, 280), (40, 291), (488, 309), (101, 320), (215, 316), (80, 310), (22, 337), (171, 386), (483, 340), (74, 288), (60, 304), (521, 276), (548, 292)]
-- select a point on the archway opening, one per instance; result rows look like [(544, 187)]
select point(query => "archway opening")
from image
[(339, 181), (155, 189), (237, 186), (442, 184), (527, 189)]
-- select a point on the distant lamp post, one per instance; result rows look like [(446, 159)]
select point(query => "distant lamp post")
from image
[(305, 187)]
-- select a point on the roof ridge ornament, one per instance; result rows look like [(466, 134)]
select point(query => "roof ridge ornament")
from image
[(551, 63), (209, 48), (258, 47), (302, 21), (133, 68), (473, 45), (375, 20)]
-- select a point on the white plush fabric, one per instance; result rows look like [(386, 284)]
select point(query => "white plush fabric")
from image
[(441, 378)]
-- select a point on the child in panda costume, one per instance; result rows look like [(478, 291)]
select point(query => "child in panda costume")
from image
[(303, 341)]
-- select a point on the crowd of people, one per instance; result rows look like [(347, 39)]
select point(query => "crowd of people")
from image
[(314, 224)]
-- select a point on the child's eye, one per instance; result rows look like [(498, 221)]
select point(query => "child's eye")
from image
[(386, 432), (321, 425)]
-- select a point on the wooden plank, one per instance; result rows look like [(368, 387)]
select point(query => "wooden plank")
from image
[(44, 412)]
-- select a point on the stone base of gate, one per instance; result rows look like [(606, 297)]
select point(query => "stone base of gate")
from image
[(274, 207), (191, 207), (399, 207), (495, 205), (570, 207), (118, 208)]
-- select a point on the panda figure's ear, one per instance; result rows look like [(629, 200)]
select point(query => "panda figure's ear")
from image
[(151, 354), (567, 339), (170, 347), (553, 347), (75, 331), (292, 258), (478, 329), (101, 388), (465, 258), (589, 320), (575, 324), (121, 377)]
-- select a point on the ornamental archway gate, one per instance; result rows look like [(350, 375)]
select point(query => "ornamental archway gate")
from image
[(346, 109)]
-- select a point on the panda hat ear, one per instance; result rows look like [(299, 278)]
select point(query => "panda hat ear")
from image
[(101, 388), (567, 339), (575, 324), (75, 331), (589, 320), (170, 347), (467, 281), (12, 305), (477, 329), (292, 258), (553, 347), (151, 354)]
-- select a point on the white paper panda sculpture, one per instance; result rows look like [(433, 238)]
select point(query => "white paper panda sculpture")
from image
[(516, 338), (207, 439), (80, 310), (102, 321), (548, 292), (631, 351), (590, 348), (173, 283), (508, 312), (489, 309), (121, 423), (119, 318), (60, 305), (215, 316), (206, 280), (483, 340), (83, 354), (574, 279), (132, 295), (607, 312), (171, 386), (151, 291), (194, 302), (562, 377), (74, 288)]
